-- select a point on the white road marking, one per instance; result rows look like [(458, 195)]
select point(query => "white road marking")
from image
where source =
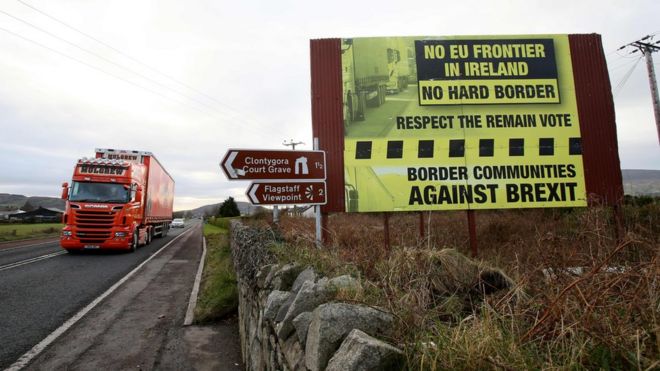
[(192, 303), (37, 349), (24, 246), (31, 260)]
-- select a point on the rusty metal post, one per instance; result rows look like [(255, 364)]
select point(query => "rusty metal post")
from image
[(617, 215), (472, 231), (386, 217), (421, 225)]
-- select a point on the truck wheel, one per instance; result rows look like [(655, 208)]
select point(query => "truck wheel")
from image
[(136, 241), (150, 236)]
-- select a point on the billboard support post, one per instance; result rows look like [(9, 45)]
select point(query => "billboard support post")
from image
[(617, 214), (421, 225), (386, 230), (472, 231)]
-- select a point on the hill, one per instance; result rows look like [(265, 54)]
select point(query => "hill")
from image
[(10, 202), (641, 182), (207, 210)]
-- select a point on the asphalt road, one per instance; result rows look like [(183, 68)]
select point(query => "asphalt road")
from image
[(40, 295)]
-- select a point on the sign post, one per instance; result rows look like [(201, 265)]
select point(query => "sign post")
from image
[(317, 208)]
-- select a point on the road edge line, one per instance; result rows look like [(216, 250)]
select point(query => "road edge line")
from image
[(192, 302), (26, 358), (39, 258)]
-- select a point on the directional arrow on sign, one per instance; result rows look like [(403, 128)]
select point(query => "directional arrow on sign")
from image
[(287, 193), (227, 165), (254, 164)]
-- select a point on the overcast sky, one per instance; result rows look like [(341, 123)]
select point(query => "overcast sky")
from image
[(187, 80)]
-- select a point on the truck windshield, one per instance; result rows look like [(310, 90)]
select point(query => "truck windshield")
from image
[(99, 192)]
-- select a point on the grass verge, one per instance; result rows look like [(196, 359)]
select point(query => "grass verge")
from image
[(218, 295), (15, 232)]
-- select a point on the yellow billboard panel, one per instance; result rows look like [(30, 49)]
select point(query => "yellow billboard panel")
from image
[(455, 123)]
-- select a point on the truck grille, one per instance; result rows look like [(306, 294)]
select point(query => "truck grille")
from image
[(94, 226)]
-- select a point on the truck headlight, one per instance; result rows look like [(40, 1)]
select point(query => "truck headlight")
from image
[(67, 233), (120, 234)]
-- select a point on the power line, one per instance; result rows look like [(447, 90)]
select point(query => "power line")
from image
[(97, 68), (225, 106), (626, 64), (183, 103), (625, 78), (104, 59)]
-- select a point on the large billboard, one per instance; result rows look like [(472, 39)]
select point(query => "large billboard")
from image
[(456, 123)]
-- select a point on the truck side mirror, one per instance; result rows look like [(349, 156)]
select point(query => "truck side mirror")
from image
[(65, 191), (138, 193)]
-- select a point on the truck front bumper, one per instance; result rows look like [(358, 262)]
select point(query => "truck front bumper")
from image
[(116, 243)]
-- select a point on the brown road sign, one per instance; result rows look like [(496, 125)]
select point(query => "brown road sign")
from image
[(287, 193), (255, 164)]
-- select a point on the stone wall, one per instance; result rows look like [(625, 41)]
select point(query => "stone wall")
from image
[(289, 318)]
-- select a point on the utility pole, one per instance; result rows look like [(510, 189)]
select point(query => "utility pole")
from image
[(276, 210), (291, 144), (646, 46)]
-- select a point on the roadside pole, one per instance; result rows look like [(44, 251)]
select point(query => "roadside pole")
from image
[(276, 210), (317, 208)]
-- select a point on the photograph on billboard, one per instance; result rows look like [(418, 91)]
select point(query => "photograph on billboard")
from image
[(457, 123)]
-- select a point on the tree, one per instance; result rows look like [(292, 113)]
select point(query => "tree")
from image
[(229, 208)]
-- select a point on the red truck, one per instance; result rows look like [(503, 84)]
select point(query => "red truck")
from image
[(118, 200)]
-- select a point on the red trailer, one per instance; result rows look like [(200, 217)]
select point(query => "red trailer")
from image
[(117, 200)]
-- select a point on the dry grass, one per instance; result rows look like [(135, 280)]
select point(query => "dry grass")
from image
[(581, 300)]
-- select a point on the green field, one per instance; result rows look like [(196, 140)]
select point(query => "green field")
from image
[(15, 232), (218, 294)]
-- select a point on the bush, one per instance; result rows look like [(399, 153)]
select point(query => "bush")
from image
[(220, 222)]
